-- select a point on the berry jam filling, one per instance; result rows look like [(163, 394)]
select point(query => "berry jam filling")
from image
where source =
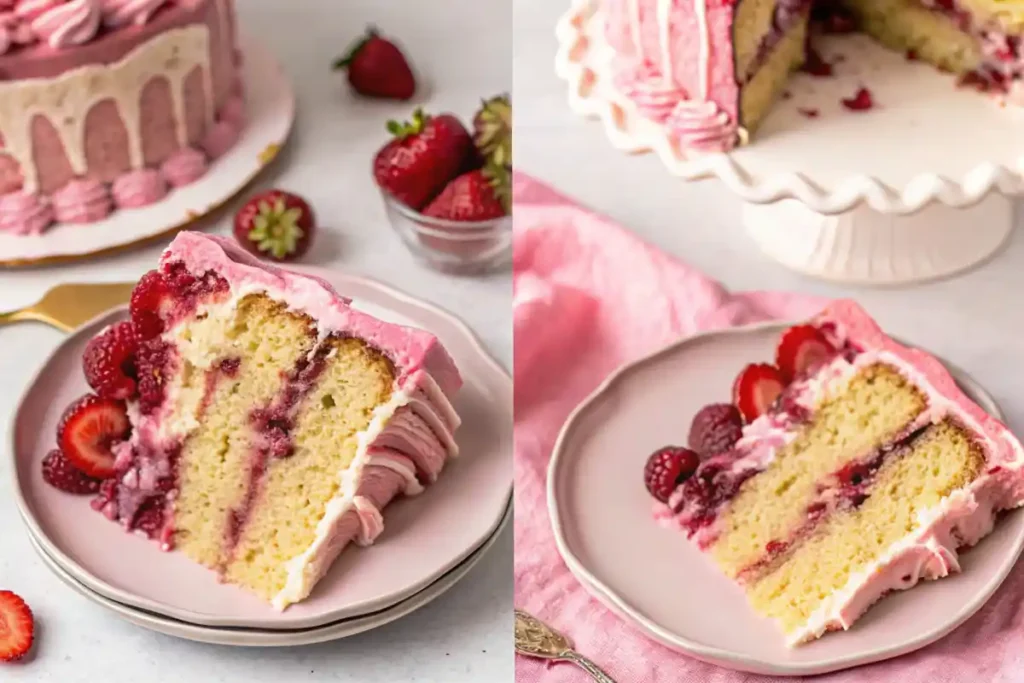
[(788, 13), (153, 361), (702, 496), (1002, 54), (273, 425)]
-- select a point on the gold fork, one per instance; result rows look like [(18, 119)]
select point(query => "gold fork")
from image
[(70, 305), (534, 638)]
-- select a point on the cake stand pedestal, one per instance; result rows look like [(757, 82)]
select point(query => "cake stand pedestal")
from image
[(919, 186), (868, 247)]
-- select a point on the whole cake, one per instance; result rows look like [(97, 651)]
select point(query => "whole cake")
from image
[(253, 419), (852, 467), (710, 71), (110, 104)]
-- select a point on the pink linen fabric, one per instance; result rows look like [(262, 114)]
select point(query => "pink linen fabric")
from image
[(589, 296)]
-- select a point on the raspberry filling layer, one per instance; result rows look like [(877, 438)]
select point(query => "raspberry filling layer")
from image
[(1002, 53), (787, 15)]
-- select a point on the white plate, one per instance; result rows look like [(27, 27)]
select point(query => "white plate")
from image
[(626, 560), (259, 638), (424, 537), (270, 112)]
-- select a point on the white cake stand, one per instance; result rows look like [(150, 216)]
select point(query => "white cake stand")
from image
[(919, 187), (270, 112)]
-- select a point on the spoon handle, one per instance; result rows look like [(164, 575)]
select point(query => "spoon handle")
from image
[(593, 669)]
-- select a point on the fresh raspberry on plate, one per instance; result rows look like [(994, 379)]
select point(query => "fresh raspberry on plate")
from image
[(148, 299), (668, 467), (59, 473), (109, 361), (715, 429)]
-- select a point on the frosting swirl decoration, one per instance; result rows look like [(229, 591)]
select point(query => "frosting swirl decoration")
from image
[(702, 126), (72, 23), (647, 87), (118, 13)]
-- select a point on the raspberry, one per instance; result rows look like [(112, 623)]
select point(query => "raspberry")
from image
[(147, 299), (715, 429), (59, 473), (668, 467), (109, 362), (150, 518), (151, 359)]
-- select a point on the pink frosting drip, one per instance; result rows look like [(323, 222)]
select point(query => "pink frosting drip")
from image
[(185, 166), (702, 126), (410, 349), (645, 85), (122, 12), (73, 23), (24, 214), (81, 201), (219, 138), (138, 188)]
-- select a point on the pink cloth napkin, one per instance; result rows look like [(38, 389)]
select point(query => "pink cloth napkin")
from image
[(589, 296)]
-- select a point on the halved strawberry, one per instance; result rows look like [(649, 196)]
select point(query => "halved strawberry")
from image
[(17, 627), (756, 388), (89, 428), (801, 348)]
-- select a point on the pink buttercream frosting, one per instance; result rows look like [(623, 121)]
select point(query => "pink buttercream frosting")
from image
[(645, 85), (233, 111), (413, 351), (24, 214), (219, 138), (702, 126), (72, 23), (185, 166), (123, 12), (82, 200), (138, 188), (959, 520)]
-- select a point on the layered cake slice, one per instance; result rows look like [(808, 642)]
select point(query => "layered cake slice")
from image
[(254, 419), (852, 467)]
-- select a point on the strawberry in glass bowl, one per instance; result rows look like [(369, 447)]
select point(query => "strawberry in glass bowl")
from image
[(447, 191)]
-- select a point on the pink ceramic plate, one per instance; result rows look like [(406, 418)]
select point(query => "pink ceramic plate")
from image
[(424, 536), (626, 560)]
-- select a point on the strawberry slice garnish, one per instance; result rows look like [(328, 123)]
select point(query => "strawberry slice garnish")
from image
[(87, 432), (17, 627), (800, 349), (756, 388)]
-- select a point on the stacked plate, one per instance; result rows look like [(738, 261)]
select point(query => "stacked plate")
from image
[(429, 543)]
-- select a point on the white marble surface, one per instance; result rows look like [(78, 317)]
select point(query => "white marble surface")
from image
[(973, 320), (466, 634)]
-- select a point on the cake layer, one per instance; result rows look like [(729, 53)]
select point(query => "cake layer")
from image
[(848, 424), (771, 72), (848, 547)]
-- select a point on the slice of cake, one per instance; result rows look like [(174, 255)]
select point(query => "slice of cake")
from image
[(111, 104), (852, 467), (710, 71), (254, 419)]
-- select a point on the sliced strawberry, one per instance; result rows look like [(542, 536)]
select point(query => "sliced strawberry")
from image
[(88, 430), (800, 349), (17, 627), (756, 388)]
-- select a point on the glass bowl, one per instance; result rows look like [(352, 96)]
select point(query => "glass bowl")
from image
[(452, 246)]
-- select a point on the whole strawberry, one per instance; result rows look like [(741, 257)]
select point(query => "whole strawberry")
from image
[(470, 197), (275, 224), (377, 68), (424, 155)]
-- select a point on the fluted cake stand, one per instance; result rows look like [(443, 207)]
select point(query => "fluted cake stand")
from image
[(918, 187)]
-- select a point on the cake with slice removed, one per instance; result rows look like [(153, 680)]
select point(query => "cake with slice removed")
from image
[(254, 419), (852, 467)]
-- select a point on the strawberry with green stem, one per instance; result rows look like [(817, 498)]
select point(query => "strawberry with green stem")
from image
[(377, 68)]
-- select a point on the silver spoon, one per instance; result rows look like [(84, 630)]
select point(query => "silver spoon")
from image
[(534, 638)]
